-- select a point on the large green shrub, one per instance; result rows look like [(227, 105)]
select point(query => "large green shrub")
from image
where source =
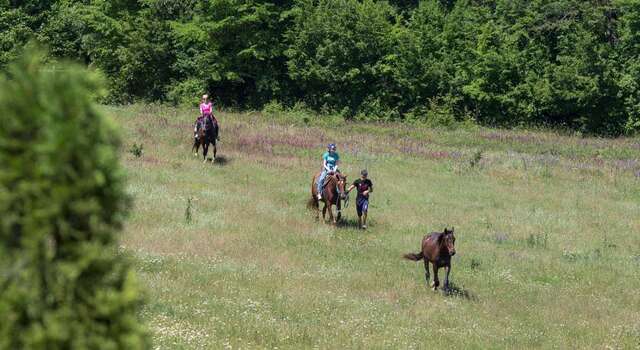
[(63, 284)]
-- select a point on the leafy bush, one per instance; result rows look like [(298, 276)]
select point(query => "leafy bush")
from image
[(63, 283), (186, 93), (136, 150)]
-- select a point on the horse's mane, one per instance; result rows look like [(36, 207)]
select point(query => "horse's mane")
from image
[(335, 177)]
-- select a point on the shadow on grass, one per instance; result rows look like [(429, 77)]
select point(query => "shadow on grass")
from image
[(459, 292), (221, 160), (348, 223)]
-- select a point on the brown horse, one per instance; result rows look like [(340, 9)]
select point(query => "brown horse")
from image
[(332, 194), (437, 248), (205, 138), (210, 138), (198, 141)]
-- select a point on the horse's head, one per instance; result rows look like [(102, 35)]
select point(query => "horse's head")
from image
[(342, 184), (449, 241)]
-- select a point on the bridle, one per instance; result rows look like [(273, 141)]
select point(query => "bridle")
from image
[(340, 193)]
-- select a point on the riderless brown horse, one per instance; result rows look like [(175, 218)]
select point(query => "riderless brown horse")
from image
[(333, 193), (437, 249)]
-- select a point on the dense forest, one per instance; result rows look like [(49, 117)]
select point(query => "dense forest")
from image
[(565, 63)]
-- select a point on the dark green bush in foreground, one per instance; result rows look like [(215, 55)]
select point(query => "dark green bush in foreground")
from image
[(63, 284)]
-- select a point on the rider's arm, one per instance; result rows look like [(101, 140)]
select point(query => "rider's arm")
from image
[(325, 165), (335, 168), (350, 188)]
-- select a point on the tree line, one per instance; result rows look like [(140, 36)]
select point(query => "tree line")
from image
[(564, 63)]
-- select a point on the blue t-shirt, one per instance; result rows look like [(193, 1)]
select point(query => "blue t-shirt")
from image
[(331, 159)]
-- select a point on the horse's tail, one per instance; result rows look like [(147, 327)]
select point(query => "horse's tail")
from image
[(312, 203), (414, 257)]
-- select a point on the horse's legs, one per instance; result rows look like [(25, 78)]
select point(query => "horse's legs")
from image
[(446, 277), (426, 269), (436, 280), (205, 150), (196, 146), (331, 217), (215, 151), (324, 212)]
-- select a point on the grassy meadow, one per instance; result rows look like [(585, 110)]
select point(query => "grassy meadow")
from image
[(547, 227)]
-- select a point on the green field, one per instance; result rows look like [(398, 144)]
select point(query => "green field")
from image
[(548, 236)]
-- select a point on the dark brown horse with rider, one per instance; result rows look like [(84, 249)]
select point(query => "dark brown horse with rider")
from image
[(333, 193), (437, 249), (207, 135)]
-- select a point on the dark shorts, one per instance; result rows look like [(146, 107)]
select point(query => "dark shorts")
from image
[(362, 205)]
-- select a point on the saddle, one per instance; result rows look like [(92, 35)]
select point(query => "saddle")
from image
[(327, 178)]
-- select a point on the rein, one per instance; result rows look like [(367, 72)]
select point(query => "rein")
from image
[(346, 200)]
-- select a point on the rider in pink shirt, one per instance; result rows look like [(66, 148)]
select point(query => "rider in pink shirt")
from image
[(206, 111), (206, 107)]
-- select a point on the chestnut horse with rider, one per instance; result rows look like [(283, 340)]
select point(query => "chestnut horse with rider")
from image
[(328, 186)]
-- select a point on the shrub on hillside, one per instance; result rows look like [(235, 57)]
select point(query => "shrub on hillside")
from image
[(63, 284)]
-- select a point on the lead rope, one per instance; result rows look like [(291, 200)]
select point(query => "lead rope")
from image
[(346, 201), (339, 199)]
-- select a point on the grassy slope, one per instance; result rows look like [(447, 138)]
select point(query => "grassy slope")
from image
[(548, 245)]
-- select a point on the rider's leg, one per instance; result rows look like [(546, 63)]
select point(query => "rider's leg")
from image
[(320, 183)]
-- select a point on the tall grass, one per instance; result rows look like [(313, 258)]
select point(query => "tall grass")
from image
[(547, 237)]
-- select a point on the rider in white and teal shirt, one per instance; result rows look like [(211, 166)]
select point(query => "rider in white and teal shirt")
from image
[(330, 161)]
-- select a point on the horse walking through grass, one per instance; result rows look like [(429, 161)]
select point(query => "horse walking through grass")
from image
[(333, 193), (210, 138), (437, 249), (204, 138)]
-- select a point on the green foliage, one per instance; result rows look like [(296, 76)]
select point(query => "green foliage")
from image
[(136, 150), (188, 217), (62, 200), (567, 63), (475, 158), (336, 53)]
